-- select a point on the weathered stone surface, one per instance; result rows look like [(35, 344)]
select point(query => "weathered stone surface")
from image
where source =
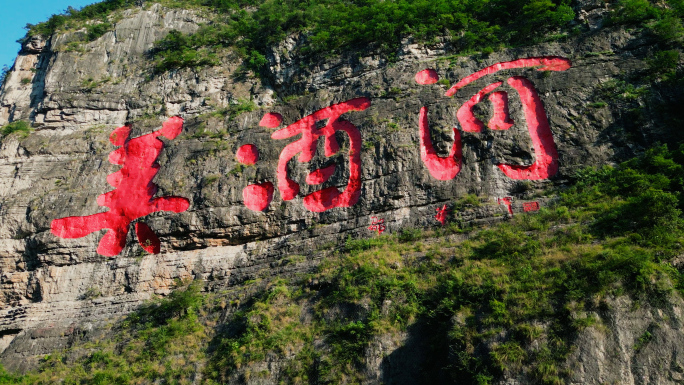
[(76, 97), (619, 351)]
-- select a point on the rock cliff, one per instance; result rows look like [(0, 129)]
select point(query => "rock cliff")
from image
[(383, 162)]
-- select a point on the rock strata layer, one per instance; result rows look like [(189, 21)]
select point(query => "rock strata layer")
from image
[(75, 95)]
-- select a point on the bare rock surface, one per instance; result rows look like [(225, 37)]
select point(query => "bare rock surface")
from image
[(75, 97)]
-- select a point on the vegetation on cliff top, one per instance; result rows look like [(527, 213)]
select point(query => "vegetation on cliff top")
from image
[(483, 302), (334, 26), (251, 27)]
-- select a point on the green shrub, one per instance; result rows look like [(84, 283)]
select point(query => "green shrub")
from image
[(177, 50), (356, 245), (643, 340), (467, 201), (21, 127), (89, 12), (210, 179), (544, 15), (640, 198), (597, 105), (506, 244), (182, 302), (333, 27), (95, 31), (7, 378), (664, 62), (633, 11), (235, 109), (349, 341), (410, 235), (669, 29), (653, 215), (508, 356), (664, 21)]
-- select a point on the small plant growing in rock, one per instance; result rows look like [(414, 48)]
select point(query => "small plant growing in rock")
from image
[(21, 127), (235, 109), (91, 293), (238, 169), (210, 179), (89, 84), (469, 200), (410, 235), (664, 64), (597, 105)]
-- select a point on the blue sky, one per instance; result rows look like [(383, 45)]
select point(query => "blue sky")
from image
[(14, 16)]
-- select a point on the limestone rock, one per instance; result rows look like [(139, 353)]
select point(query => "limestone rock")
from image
[(75, 98)]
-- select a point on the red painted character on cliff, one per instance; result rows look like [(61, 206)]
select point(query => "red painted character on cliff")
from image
[(546, 156), (132, 197), (441, 215), (258, 196), (378, 225)]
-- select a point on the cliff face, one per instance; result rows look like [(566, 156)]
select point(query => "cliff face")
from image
[(55, 285)]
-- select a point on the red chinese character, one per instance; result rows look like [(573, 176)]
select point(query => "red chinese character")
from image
[(442, 215), (132, 197), (506, 201), (330, 197), (546, 163), (256, 196), (530, 206), (377, 224)]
